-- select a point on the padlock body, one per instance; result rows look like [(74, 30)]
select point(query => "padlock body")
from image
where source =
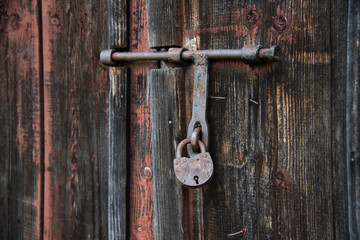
[(194, 172)]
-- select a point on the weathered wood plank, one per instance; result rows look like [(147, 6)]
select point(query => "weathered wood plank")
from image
[(20, 118), (164, 23), (303, 174), (339, 16), (117, 183), (118, 24), (270, 130), (76, 119), (166, 91), (353, 118), (141, 208), (230, 200)]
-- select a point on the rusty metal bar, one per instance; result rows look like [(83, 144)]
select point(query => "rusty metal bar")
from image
[(248, 54), (139, 56)]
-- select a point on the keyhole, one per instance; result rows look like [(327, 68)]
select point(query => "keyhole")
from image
[(196, 178)]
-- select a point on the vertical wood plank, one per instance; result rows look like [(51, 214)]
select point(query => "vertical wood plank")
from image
[(141, 208), (164, 23), (117, 186), (20, 118), (117, 182), (118, 24), (353, 118), (339, 14), (270, 126), (166, 91), (141, 205), (76, 119)]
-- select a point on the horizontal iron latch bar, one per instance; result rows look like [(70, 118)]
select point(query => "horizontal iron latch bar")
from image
[(248, 54)]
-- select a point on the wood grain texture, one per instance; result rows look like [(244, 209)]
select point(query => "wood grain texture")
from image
[(118, 24), (141, 208), (20, 121), (338, 111), (76, 120), (270, 126), (353, 118), (117, 178), (164, 23), (166, 91)]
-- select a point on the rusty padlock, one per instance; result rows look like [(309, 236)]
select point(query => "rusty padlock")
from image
[(196, 171)]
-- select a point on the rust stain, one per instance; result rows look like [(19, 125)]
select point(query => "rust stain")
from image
[(283, 27), (282, 178), (249, 17)]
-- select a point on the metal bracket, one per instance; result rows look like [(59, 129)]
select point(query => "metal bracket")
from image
[(248, 54)]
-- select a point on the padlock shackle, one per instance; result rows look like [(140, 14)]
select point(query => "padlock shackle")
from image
[(186, 141)]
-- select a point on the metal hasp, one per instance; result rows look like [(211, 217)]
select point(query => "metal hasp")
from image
[(198, 118), (248, 54)]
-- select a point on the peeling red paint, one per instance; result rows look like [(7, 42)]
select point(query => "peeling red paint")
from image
[(141, 189), (248, 19), (141, 212), (51, 26), (138, 27), (19, 47)]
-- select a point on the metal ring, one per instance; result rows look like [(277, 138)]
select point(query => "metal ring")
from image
[(180, 147), (186, 141), (202, 146), (195, 139)]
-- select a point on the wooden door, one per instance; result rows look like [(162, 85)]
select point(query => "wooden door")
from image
[(86, 151), (281, 134)]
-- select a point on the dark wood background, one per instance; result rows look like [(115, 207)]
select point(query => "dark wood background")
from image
[(284, 137)]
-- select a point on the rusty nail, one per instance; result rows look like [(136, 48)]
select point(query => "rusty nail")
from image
[(234, 234), (242, 231)]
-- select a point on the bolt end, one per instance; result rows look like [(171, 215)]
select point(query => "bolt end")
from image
[(106, 57), (270, 54)]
